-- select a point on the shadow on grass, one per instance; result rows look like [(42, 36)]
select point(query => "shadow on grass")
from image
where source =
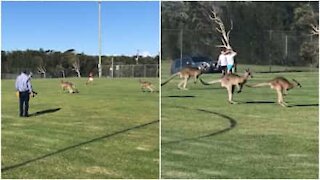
[(207, 88), (3, 169), (258, 102), (177, 96), (283, 71), (44, 112), (233, 124), (304, 105), (155, 91), (271, 102)]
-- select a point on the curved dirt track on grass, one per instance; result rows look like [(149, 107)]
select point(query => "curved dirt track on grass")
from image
[(232, 122)]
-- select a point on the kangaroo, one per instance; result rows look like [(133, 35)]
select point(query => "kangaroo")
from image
[(90, 78), (185, 74), (229, 81), (146, 85), (65, 85), (281, 85)]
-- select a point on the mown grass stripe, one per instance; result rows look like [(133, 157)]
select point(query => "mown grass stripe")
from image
[(77, 145)]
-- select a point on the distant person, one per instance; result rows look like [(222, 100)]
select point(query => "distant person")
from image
[(24, 87), (90, 78), (230, 60), (222, 61)]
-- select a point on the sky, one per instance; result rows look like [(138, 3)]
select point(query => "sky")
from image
[(127, 27)]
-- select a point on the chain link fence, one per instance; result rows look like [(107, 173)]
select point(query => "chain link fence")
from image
[(281, 48), (115, 71), (137, 70)]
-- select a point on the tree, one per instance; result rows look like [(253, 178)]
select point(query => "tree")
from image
[(306, 22), (73, 60), (61, 69), (41, 65), (76, 66)]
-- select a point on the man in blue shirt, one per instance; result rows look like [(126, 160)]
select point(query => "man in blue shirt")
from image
[(23, 85)]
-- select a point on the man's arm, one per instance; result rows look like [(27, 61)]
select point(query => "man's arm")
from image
[(17, 83), (234, 53), (29, 86), (219, 61)]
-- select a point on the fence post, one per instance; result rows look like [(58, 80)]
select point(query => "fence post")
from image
[(144, 70), (132, 67), (286, 47), (112, 68), (286, 50), (181, 47), (270, 38), (157, 71)]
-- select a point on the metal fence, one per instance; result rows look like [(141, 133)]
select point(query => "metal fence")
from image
[(115, 71), (285, 48), (137, 70)]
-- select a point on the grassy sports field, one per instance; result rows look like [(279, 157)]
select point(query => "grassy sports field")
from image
[(109, 130), (203, 136)]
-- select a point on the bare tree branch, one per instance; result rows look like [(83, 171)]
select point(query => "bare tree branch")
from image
[(221, 29), (315, 30), (76, 67), (42, 70)]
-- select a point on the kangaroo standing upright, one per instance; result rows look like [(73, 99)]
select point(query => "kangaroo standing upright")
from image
[(229, 81), (281, 85)]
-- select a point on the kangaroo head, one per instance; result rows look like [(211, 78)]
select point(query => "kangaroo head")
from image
[(297, 83), (248, 73)]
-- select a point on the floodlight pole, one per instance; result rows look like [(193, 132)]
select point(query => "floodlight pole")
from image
[(137, 57), (99, 24)]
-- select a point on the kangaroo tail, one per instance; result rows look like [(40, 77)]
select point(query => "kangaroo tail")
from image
[(209, 83), (171, 77), (297, 83), (259, 85)]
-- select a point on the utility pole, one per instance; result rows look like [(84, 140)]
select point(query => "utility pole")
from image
[(99, 43), (112, 67), (270, 39), (137, 57)]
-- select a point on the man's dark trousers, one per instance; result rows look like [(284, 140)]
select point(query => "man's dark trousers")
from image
[(24, 103)]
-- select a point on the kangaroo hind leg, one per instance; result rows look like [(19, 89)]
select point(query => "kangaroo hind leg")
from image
[(185, 83), (280, 98), (230, 90), (239, 87), (180, 84)]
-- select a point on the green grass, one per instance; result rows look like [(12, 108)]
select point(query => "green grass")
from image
[(83, 139), (268, 141)]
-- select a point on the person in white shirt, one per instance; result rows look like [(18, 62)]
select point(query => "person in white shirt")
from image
[(230, 60), (24, 87), (222, 61)]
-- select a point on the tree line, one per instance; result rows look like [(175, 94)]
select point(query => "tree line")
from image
[(263, 32), (61, 64)]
